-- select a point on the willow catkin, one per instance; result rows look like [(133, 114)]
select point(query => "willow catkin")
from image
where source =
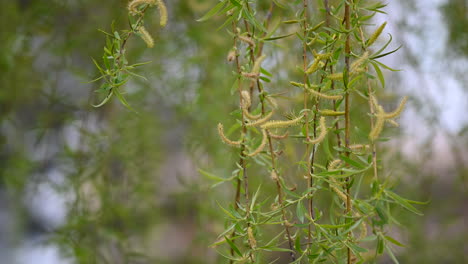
[(146, 37), (225, 139), (262, 144), (397, 111), (261, 120), (376, 34), (135, 4), (322, 95), (281, 124), (162, 13), (323, 132)]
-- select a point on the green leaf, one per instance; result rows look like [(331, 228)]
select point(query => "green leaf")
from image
[(379, 73), (123, 100), (392, 256), (403, 202), (233, 246), (301, 211), (385, 54), (352, 162), (394, 241), (108, 97), (215, 10)]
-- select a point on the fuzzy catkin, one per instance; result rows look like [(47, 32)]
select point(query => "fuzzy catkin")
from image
[(322, 95), (261, 121), (397, 111), (146, 37), (225, 139), (133, 5), (262, 144), (281, 124), (323, 132), (162, 13), (376, 34)]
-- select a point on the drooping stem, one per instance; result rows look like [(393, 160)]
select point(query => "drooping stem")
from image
[(253, 59), (242, 160), (347, 113)]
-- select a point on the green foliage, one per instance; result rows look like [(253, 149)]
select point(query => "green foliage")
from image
[(361, 200)]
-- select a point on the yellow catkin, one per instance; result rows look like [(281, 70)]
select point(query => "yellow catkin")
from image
[(261, 120), (258, 64), (279, 136), (250, 75), (274, 176), (231, 55), (281, 124), (252, 241), (327, 112), (162, 13), (322, 56), (378, 126), (323, 132), (393, 122), (317, 64), (246, 101), (357, 63), (322, 95), (272, 102), (262, 144), (146, 37), (133, 5), (359, 147), (225, 139), (363, 230), (333, 186), (247, 40), (381, 117), (334, 164), (376, 34), (397, 111), (250, 116), (335, 76)]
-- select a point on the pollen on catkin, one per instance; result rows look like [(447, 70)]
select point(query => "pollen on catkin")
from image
[(257, 65), (281, 124), (247, 40), (261, 120), (146, 37), (252, 241), (322, 56), (375, 35), (317, 64), (249, 115), (335, 76), (272, 102), (378, 126), (162, 13), (285, 135), (323, 132), (322, 95), (246, 101), (231, 55), (397, 111), (334, 164), (225, 139), (135, 4), (357, 63), (262, 144), (327, 112)]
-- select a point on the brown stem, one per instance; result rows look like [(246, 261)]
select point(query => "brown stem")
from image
[(260, 90), (242, 159), (347, 115)]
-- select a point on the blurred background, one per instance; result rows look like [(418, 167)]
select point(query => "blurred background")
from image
[(86, 185)]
